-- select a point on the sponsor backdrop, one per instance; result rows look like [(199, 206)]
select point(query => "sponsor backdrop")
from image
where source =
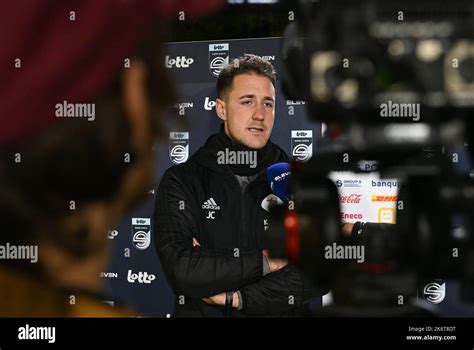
[(134, 276)]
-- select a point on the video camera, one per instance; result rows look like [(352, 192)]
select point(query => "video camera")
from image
[(396, 81)]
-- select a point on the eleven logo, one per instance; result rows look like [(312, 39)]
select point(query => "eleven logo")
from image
[(141, 233), (295, 102), (109, 274), (181, 107), (179, 147), (302, 145), (218, 57)]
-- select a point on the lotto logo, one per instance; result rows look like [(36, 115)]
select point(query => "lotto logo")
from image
[(178, 62), (140, 277), (209, 104)]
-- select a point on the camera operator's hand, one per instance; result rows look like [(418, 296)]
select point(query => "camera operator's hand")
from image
[(274, 264), (347, 228)]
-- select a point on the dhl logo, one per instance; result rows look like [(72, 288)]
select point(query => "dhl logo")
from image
[(384, 198)]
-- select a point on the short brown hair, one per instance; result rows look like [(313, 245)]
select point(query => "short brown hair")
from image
[(244, 64)]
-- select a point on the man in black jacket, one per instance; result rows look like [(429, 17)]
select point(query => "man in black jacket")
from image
[(210, 212)]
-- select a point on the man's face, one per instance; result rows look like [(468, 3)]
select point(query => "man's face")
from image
[(248, 110)]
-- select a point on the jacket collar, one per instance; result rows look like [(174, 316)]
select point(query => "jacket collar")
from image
[(207, 156)]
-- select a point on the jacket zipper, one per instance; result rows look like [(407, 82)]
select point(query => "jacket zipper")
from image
[(239, 240), (243, 216)]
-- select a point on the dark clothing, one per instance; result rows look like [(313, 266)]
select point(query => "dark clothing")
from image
[(204, 200)]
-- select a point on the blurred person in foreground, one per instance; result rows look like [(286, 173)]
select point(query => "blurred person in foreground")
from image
[(79, 118)]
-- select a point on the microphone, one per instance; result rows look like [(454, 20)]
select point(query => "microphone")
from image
[(278, 176), (275, 238)]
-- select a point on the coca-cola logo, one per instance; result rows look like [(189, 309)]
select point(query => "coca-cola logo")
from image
[(353, 198)]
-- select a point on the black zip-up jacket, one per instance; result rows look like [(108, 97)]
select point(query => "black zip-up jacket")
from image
[(202, 199)]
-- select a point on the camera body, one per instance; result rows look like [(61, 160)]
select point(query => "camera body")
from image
[(379, 62), (397, 82)]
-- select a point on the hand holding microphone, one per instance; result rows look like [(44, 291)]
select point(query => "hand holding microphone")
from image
[(278, 176)]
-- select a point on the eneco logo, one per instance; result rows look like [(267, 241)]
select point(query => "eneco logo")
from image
[(434, 292), (351, 216)]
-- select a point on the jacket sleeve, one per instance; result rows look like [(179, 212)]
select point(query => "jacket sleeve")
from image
[(278, 292), (196, 272)]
